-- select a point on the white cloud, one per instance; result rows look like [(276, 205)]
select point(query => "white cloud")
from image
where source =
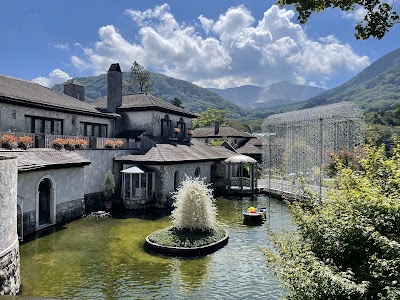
[(56, 76), (62, 46), (357, 14), (234, 49), (206, 23)]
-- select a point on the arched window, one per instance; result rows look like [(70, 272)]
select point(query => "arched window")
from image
[(197, 172), (165, 127), (176, 180), (182, 126)]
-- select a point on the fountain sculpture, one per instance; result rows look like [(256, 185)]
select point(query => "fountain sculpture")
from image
[(194, 230)]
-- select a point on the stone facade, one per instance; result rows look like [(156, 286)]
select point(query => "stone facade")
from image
[(70, 210), (9, 245), (13, 118), (10, 280)]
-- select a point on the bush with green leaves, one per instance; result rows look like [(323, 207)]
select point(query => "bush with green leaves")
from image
[(109, 185), (349, 246), (195, 207)]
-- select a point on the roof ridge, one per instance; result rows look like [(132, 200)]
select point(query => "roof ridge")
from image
[(159, 152)]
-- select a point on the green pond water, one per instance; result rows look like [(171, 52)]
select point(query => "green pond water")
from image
[(104, 259)]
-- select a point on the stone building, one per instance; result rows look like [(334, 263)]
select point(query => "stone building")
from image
[(143, 140), (234, 137)]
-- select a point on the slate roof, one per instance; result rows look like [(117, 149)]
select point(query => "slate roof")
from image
[(137, 102), (249, 149), (28, 93), (73, 82), (209, 132), (32, 160), (171, 153)]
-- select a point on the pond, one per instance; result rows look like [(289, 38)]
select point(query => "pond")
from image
[(104, 259)]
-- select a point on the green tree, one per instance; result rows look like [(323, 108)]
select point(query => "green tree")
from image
[(380, 15), (109, 185), (140, 80), (177, 102), (349, 246), (209, 117)]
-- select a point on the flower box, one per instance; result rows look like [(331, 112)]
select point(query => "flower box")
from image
[(58, 144), (9, 141), (25, 142), (81, 144)]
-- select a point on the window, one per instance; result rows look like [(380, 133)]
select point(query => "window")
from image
[(197, 172), (165, 127), (92, 129), (182, 126), (43, 125)]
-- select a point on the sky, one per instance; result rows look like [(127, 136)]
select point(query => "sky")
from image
[(211, 43)]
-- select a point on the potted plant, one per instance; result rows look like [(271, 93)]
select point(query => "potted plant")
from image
[(25, 142), (108, 189), (109, 144), (58, 143), (69, 144), (81, 144), (9, 141), (119, 144)]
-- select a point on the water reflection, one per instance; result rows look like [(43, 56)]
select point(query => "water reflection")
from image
[(105, 259)]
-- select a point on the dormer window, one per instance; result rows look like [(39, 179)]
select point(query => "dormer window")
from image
[(165, 127), (182, 126)]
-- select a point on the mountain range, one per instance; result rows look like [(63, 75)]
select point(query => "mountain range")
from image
[(276, 95), (375, 89)]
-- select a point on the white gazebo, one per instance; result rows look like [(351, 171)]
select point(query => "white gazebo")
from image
[(137, 187), (241, 174)]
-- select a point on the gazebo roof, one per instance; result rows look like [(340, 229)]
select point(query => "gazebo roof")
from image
[(136, 170), (240, 159)]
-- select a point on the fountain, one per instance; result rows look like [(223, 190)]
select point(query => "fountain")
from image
[(194, 231), (297, 145)]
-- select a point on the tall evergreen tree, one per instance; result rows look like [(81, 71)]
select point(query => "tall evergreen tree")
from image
[(140, 80)]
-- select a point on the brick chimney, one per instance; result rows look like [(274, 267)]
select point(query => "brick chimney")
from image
[(74, 89), (114, 88), (216, 128)]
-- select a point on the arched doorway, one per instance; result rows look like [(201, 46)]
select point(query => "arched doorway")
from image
[(45, 202)]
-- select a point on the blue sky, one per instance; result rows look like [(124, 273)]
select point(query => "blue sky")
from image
[(211, 43)]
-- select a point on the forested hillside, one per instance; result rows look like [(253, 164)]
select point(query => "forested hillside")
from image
[(376, 88), (193, 97)]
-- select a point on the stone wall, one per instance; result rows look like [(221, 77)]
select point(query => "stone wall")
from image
[(9, 245), (70, 210), (13, 118), (102, 160)]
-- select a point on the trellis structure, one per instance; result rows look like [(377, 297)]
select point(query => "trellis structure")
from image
[(297, 144)]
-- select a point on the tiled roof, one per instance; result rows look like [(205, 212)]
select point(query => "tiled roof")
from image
[(168, 152), (29, 160), (29, 93), (204, 132), (256, 142), (144, 102), (249, 149)]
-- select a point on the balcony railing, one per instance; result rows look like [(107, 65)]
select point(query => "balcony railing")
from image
[(41, 140), (18, 135), (49, 138)]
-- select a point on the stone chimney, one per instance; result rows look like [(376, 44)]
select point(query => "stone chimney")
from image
[(216, 127), (114, 88), (74, 89)]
